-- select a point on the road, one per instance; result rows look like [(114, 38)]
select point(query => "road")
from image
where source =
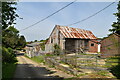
[(27, 68)]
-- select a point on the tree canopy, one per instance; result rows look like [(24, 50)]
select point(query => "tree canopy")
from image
[(11, 39), (8, 14), (116, 25)]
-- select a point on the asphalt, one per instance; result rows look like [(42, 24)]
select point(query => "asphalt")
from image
[(28, 69)]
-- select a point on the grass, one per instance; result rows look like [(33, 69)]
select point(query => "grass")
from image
[(49, 55), (113, 61), (114, 66), (8, 70), (81, 74), (38, 59), (103, 73)]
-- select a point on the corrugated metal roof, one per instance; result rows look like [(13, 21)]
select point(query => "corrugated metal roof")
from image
[(69, 32)]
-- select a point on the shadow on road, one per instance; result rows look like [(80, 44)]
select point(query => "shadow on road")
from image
[(30, 72), (20, 54)]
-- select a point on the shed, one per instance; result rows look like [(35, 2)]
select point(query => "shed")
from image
[(72, 40), (33, 49), (110, 46)]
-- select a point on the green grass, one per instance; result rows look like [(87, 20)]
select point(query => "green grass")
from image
[(103, 73), (38, 59), (113, 64), (49, 55), (113, 61), (8, 70)]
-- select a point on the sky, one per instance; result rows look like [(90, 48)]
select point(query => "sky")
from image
[(31, 12)]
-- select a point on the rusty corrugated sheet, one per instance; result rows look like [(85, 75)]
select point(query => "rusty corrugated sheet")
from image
[(69, 32)]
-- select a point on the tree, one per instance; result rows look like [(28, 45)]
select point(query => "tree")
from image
[(35, 40), (116, 25), (21, 42), (10, 37), (8, 14), (9, 33)]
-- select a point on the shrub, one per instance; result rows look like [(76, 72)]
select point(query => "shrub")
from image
[(57, 49), (8, 55)]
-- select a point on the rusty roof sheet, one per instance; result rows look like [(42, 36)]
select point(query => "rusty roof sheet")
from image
[(69, 32)]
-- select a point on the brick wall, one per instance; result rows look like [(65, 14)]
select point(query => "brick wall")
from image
[(110, 46), (93, 46)]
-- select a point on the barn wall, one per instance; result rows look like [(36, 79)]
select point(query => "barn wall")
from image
[(74, 45), (110, 46), (70, 45), (55, 38)]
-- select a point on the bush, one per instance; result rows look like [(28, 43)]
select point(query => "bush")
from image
[(57, 49), (8, 55)]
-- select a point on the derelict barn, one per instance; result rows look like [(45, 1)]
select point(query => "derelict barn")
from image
[(71, 40)]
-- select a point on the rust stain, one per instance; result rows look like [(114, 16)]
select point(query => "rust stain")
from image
[(69, 32)]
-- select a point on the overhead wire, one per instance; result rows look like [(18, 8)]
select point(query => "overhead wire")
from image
[(49, 15), (91, 15)]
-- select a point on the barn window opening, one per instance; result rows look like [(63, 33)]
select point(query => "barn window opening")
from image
[(51, 40), (92, 44)]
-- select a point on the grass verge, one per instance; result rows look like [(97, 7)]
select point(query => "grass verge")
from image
[(113, 64), (38, 59), (8, 70)]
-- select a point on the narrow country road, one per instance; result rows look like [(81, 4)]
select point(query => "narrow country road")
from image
[(27, 68)]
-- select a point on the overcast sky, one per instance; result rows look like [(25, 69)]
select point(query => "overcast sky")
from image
[(32, 12)]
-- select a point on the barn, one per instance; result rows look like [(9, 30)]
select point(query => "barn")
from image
[(72, 40)]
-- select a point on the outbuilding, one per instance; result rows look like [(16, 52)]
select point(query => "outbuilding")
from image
[(110, 46), (33, 49), (72, 40)]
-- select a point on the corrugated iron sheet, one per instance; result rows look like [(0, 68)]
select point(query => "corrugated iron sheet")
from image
[(69, 32)]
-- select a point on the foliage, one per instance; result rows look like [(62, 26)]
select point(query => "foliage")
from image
[(10, 35), (42, 44), (12, 39), (8, 55), (8, 14), (48, 55), (116, 71), (35, 41), (21, 42), (57, 49), (114, 65), (43, 40), (116, 25)]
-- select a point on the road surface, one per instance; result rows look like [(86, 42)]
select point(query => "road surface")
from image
[(27, 68)]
